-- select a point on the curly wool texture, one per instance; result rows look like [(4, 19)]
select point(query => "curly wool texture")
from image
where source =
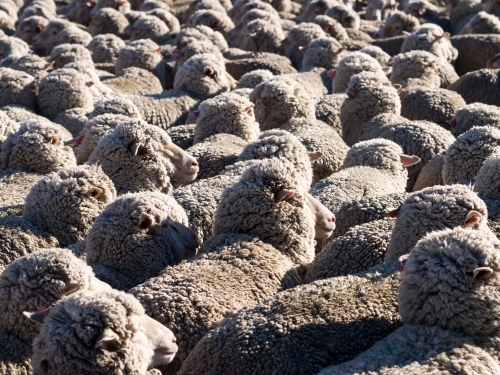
[(21, 114), (431, 209), (236, 35), (449, 314), (284, 98), (299, 36), (415, 68), (146, 170), (322, 52), (117, 105), (34, 65), (182, 135), (482, 23), (18, 88), (27, 27), (105, 47), (481, 86), (253, 79), (194, 48), (143, 53), (216, 20), (301, 330), (64, 203), (431, 174), (319, 137), (396, 24), (430, 104), (71, 53), (96, 128), (216, 152), (371, 95), (430, 37), (118, 243), (109, 21), (354, 63), (135, 81), (33, 283), (227, 113), (474, 51), (377, 53), (476, 114), (345, 15), (10, 45), (170, 20), (63, 89), (73, 327), (201, 32), (370, 168), (487, 187), (465, 156), (360, 248), (73, 120), (149, 27), (276, 64), (314, 8), (261, 36), (288, 225), (73, 35), (37, 147), (328, 110)]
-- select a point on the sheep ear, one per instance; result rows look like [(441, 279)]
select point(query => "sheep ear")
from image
[(393, 212), (107, 337), (482, 273), (38, 28), (72, 287), (89, 4), (146, 221), (249, 110), (432, 65), (134, 148), (54, 140), (208, 71), (95, 192), (214, 23), (341, 49), (472, 218), (397, 86), (48, 65), (283, 194), (89, 84), (313, 156), (331, 73), (408, 160), (158, 50), (387, 69), (37, 316), (390, 61)]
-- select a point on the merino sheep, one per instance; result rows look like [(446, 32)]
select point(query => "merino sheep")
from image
[(445, 273), (44, 40), (30, 285), (397, 24), (253, 79), (34, 65), (474, 51), (431, 174), (254, 265), (135, 81), (300, 36), (50, 218), (261, 36), (18, 88), (322, 52), (380, 9), (108, 21), (482, 23), (486, 186), (138, 236), (465, 156), (73, 35), (216, 20), (152, 161), (227, 113), (481, 86), (314, 8), (70, 53), (101, 333), (475, 114), (149, 27), (120, 5), (29, 27), (10, 45)]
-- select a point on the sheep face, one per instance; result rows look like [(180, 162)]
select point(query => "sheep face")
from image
[(123, 6), (346, 16), (450, 279), (324, 53), (324, 218), (314, 8), (396, 24), (46, 38), (29, 27), (80, 13), (380, 9), (109, 331)]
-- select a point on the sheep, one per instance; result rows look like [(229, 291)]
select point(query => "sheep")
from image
[(105, 47), (73, 35), (80, 12), (198, 33), (447, 206), (380, 107), (152, 162), (262, 260), (300, 36), (465, 156), (29, 27), (319, 137), (194, 48), (70, 53), (170, 20), (278, 100), (121, 5), (116, 105), (44, 40), (20, 114), (431, 174), (226, 113), (10, 45), (64, 89), (135, 81), (261, 36), (327, 110), (432, 38), (448, 270), (360, 248), (73, 120), (462, 12), (482, 23), (50, 218), (415, 68), (371, 168), (276, 64), (391, 46), (475, 114), (377, 53), (29, 285), (345, 15), (218, 21), (301, 330), (474, 51), (236, 34), (479, 86), (396, 24), (201, 77), (182, 135), (7, 126), (137, 236), (93, 130), (252, 79), (108, 21), (352, 64), (315, 8), (322, 52), (34, 65), (17, 87), (380, 9), (118, 337), (333, 28), (427, 12), (149, 27)]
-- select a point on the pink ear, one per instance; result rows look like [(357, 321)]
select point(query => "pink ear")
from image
[(37, 316), (313, 156), (331, 73), (408, 160), (283, 194), (146, 221), (393, 212), (472, 218)]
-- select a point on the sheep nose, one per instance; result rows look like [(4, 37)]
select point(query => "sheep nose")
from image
[(333, 219), (194, 164), (196, 113), (174, 340)]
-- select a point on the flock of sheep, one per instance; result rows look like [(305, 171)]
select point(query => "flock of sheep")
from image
[(257, 187)]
